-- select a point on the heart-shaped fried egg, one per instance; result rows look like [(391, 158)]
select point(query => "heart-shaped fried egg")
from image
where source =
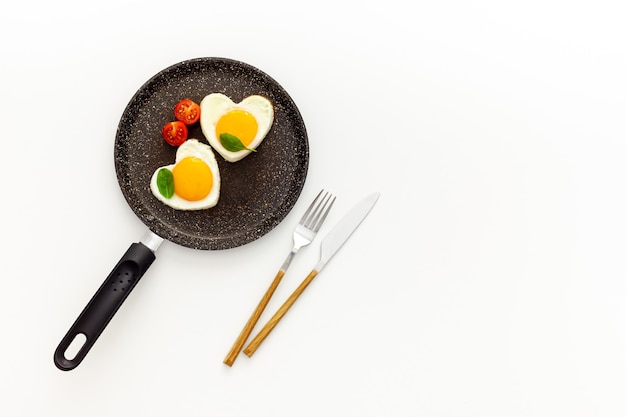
[(193, 181), (248, 121)]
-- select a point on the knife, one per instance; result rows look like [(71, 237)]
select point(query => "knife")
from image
[(330, 245)]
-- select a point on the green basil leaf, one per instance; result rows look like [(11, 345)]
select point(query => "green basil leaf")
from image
[(232, 143), (165, 182)]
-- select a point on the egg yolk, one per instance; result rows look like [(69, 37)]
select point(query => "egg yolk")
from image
[(238, 123), (193, 179)]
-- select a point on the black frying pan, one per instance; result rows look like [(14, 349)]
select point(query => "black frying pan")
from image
[(257, 192)]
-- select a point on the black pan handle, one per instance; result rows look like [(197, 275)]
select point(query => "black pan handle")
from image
[(104, 304)]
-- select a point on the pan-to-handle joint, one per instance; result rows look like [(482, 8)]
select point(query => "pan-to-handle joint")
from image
[(152, 241)]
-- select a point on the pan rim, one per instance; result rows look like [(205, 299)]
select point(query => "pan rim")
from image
[(135, 194)]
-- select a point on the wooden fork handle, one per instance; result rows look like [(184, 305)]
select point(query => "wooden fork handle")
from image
[(254, 318), (265, 331)]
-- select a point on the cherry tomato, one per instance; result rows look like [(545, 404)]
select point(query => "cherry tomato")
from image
[(175, 133), (187, 111)]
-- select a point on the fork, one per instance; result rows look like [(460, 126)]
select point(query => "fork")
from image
[(304, 234)]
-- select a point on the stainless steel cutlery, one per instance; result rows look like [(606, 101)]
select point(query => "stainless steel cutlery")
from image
[(304, 234), (331, 244)]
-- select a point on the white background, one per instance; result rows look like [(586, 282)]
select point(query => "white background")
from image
[(489, 279)]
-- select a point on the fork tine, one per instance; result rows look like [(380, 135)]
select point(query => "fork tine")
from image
[(313, 214), (316, 213), (308, 210), (322, 215)]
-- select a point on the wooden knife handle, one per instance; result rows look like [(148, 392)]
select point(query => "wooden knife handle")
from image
[(265, 331)]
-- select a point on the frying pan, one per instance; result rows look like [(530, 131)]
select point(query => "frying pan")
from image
[(256, 194)]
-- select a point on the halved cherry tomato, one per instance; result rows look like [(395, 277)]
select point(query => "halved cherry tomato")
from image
[(175, 133), (187, 111)]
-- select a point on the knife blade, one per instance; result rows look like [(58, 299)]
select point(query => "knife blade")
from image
[(343, 230), (330, 245)]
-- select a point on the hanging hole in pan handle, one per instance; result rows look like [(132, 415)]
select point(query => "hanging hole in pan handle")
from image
[(104, 304)]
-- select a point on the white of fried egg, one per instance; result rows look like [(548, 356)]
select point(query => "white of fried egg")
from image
[(249, 121), (196, 178)]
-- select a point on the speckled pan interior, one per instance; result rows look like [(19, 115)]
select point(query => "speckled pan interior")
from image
[(256, 192)]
